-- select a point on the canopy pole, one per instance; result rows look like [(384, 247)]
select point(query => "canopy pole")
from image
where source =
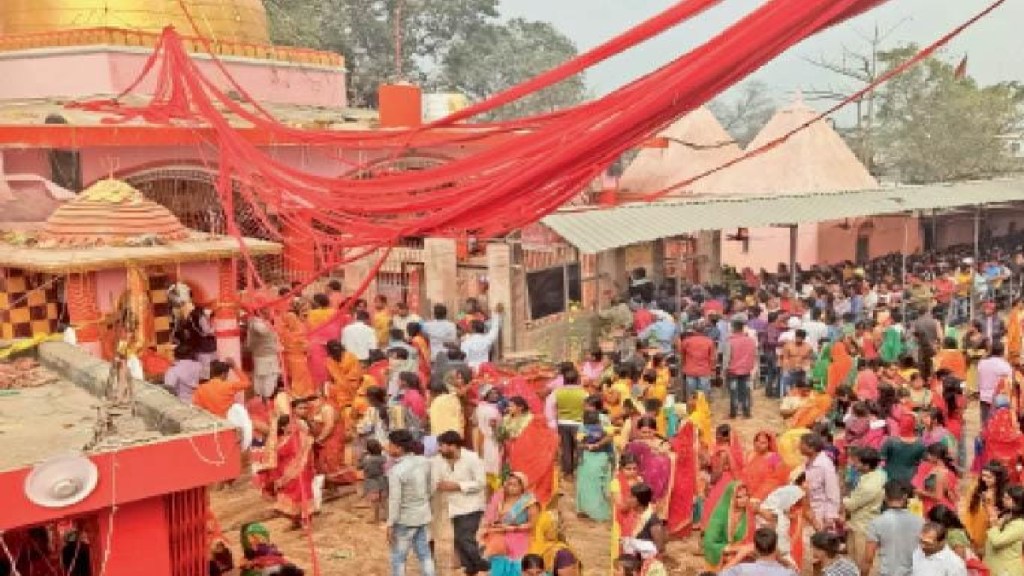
[(792, 255), (903, 277), (977, 257)]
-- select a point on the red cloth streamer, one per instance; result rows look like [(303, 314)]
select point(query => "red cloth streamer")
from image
[(496, 190)]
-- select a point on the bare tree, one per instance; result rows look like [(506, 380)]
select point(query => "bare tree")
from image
[(857, 70), (745, 115)]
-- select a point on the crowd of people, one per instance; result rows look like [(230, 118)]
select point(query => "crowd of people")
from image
[(873, 375)]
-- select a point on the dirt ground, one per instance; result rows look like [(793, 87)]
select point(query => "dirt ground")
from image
[(347, 542)]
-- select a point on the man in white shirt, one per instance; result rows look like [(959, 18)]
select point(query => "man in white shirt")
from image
[(359, 338), (792, 324), (933, 557), (461, 473), (817, 331), (439, 331), (403, 317), (477, 345)]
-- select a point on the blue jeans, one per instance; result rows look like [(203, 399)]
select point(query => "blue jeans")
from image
[(699, 383), (414, 537), (785, 383), (770, 374), (739, 394)]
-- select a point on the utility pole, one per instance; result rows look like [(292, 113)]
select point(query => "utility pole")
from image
[(398, 38)]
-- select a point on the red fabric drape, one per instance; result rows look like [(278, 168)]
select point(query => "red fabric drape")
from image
[(684, 485), (543, 163)]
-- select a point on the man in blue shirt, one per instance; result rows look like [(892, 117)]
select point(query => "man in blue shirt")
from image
[(663, 330)]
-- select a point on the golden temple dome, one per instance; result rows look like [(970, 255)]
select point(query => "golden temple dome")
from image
[(219, 20), (111, 213)]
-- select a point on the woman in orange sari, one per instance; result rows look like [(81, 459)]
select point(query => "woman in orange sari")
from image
[(840, 367), (295, 349), (765, 470), (1014, 332), (815, 408), (951, 358), (532, 449), (419, 342)]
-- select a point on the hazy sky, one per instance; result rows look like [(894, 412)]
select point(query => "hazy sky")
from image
[(995, 46)]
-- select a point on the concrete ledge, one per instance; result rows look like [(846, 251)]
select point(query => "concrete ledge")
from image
[(160, 410)]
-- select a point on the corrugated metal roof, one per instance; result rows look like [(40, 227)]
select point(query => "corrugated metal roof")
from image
[(594, 230)]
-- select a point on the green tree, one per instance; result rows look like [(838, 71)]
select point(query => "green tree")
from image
[(934, 126), (364, 31), (450, 45), (498, 56)]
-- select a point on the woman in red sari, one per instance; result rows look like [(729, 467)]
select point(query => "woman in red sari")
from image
[(684, 485), (1002, 439), (327, 425), (936, 479), (286, 473), (764, 471), (532, 449), (726, 466)]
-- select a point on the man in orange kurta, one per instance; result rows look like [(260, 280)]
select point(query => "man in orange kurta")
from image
[(346, 374), (217, 394)]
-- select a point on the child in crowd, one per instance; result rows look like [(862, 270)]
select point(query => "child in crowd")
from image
[(375, 483), (594, 437)]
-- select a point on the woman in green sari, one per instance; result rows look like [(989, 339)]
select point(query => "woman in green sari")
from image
[(892, 345), (819, 372), (261, 556), (595, 469), (730, 525)]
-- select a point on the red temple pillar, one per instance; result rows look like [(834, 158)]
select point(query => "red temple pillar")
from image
[(83, 310), (299, 249), (225, 314), (136, 540)]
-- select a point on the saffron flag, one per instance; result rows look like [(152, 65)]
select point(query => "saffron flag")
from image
[(960, 72)]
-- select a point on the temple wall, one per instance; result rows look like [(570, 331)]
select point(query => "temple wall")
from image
[(889, 235), (770, 246), (91, 70)]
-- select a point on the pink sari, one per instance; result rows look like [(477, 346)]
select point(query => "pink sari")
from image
[(517, 543), (318, 336), (655, 468)]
